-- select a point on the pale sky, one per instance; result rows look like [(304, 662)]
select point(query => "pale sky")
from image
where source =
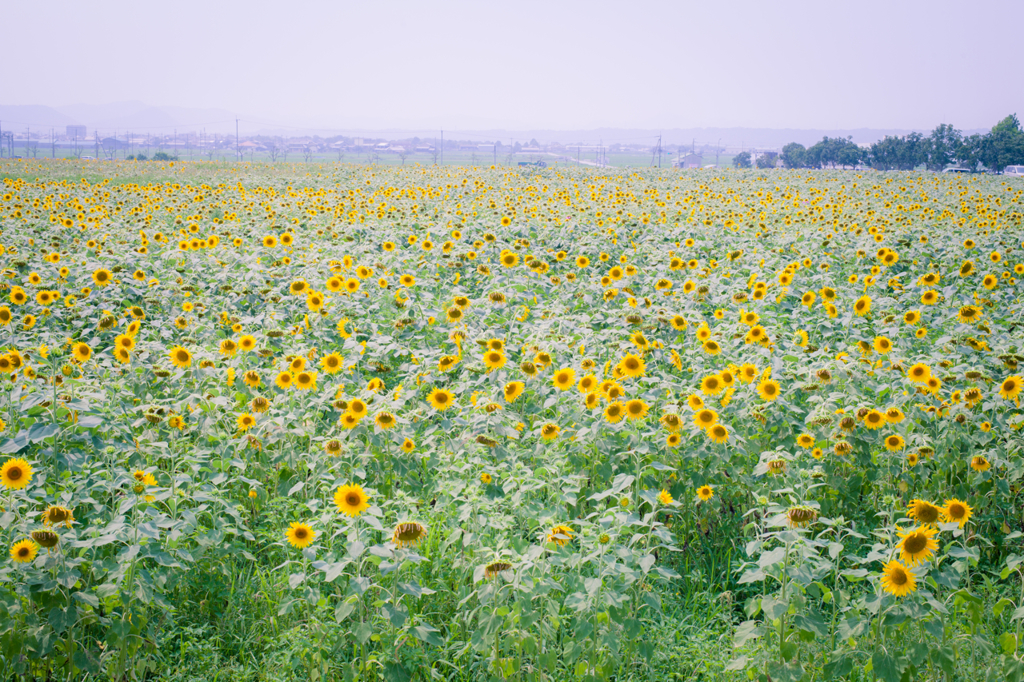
[(524, 64)]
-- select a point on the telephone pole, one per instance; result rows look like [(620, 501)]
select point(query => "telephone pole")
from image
[(238, 154), (53, 145), (442, 147)]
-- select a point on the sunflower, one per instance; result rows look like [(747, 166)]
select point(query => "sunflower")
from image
[(351, 500), (245, 421), (228, 347), (45, 538), (923, 512), (1011, 387), (300, 535), (705, 418), (636, 409), (671, 422), (894, 443), (81, 352), (747, 373), (917, 545), (898, 580), (15, 474), (873, 419), (614, 412), (587, 384), (408, 534), (55, 515), (284, 380), (441, 399), (768, 389), (632, 366), (711, 347), (102, 277), (385, 420), (486, 478), (718, 433), (24, 551), (305, 381), (564, 379), (805, 440), (862, 306), (919, 373), (180, 357), (358, 408), (665, 497), (712, 385), (980, 464), (550, 431), (894, 415), (495, 359), (968, 314), (705, 493), (957, 512), (513, 390), (560, 535)]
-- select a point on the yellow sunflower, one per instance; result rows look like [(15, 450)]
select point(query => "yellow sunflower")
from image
[(898, 580), (300, 535), (916, 545), (351, 500), (15, 474)]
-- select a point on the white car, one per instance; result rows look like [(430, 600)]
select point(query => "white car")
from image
[(1014, 171)]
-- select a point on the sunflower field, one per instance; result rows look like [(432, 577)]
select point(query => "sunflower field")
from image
[(338, 422)]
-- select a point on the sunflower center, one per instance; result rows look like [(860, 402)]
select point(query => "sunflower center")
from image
[(956, 511), (352, 499), (915, 542), (926, 513), (898, 577), (301, 534), (14, 473)]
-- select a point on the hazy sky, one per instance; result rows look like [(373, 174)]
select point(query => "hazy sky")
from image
[(529, 64)]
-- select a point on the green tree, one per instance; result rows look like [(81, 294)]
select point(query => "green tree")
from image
[(793, 155), (1004, 145), (945, 141), (767, 160), (741, 160)]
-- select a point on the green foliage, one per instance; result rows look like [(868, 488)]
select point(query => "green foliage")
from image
[(741, 160)]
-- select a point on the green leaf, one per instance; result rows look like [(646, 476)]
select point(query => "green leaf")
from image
[(747, 631), (425, 633), (885, 667), (62, 619)]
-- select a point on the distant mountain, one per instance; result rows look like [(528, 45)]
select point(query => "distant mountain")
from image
[(139, 117), (18, 116)]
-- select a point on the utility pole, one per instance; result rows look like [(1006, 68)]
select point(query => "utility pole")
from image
[(495, 150), (442, 147), (53, 145), (238, 155), (717, 147), (659, 151), (96, 139)]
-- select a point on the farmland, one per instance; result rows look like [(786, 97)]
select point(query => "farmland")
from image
[(335, 421)]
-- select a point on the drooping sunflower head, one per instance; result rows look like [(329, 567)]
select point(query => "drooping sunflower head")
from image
[(56, 515), (45, 538), (408, 534), (801, 516)]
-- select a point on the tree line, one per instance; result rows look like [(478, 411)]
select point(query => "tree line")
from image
[(1000, 147)]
